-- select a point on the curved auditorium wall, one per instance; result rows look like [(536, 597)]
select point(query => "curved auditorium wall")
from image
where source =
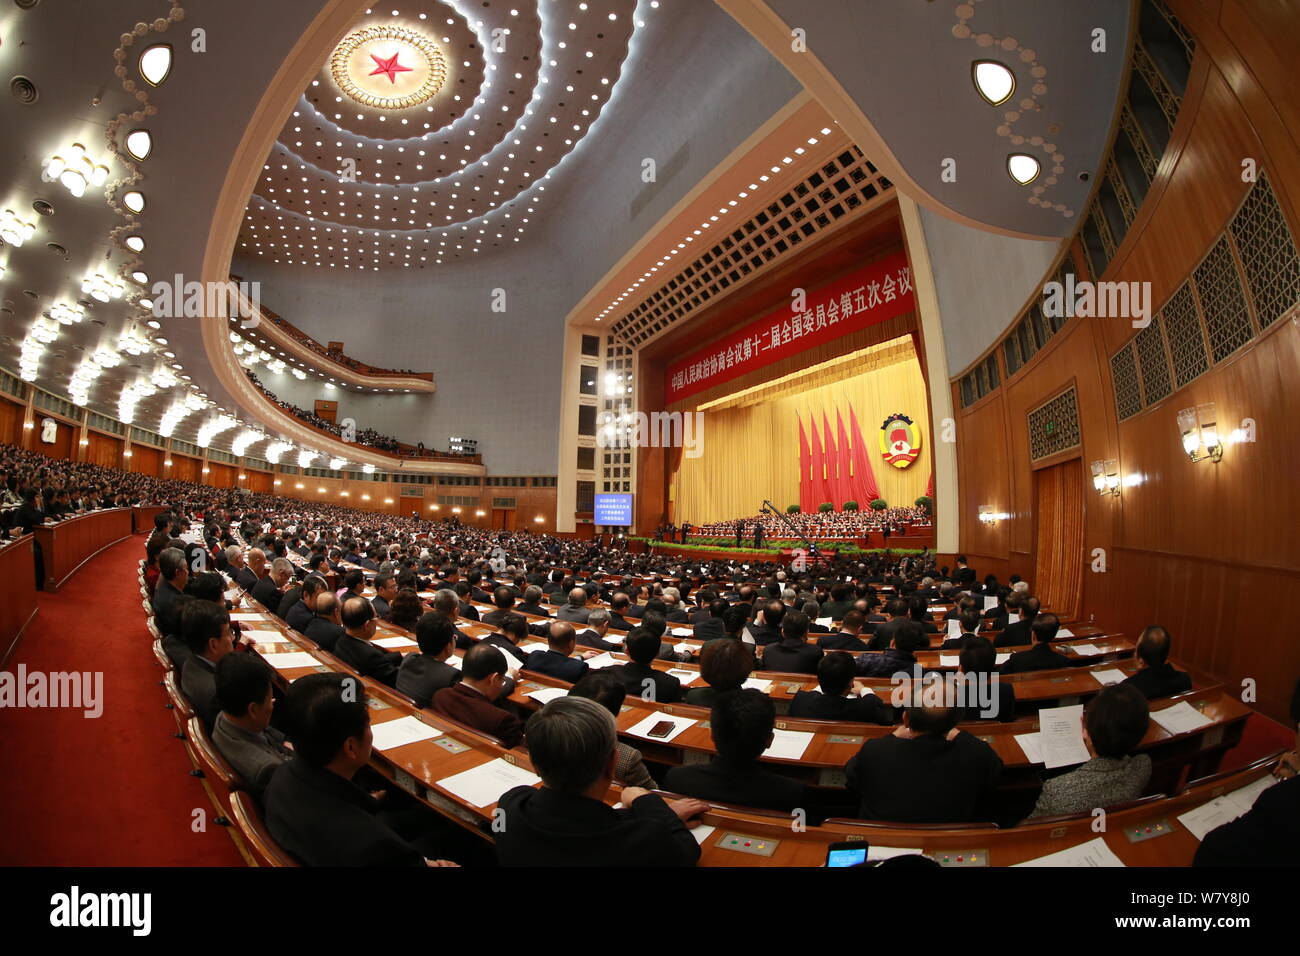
[(1202, 548)]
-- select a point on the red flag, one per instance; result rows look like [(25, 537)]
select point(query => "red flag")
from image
[(862, 464), (806, 503), (818, 467), (844, 484)]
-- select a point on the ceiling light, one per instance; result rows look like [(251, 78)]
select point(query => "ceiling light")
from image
[(134, 201), (134, 243), (75, 170), (1023, 168), (13, 230), (993, 81), (139, 143), (156, 63)]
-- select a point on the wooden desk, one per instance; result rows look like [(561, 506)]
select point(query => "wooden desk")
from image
[(68, 544), (18, 571), (142, 517)]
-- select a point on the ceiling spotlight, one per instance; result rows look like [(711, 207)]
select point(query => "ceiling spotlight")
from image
[(993, 81), (134, 201), (134, 243), (75, 170), (156, 63), (102, 288), (140, 277), (13, 230), (139, 143), (1023, 168)]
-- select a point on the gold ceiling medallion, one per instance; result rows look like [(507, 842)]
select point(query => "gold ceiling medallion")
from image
[(388, 67)]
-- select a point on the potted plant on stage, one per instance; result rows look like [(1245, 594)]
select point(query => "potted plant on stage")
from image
[(850, 506), (879, 504)]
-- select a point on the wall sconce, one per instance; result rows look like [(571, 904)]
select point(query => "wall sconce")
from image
[(1105, 477), (1200, 432), (990, 515)]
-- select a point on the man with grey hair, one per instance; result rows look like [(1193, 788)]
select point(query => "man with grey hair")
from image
[(447, 603), (269, 590), (575, 612), (532, 602), (567, 822), (594, 635), (233, 557), (249, 574)]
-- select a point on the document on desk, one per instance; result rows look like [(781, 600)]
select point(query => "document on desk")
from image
[(1001, 659), (246, 616), (683, 675), (1013, 617), (701, 833), (548, 694), (990, 603), (613, 637), (1110, 675), (679, 724), (1093, 853), (533, 646), (1065, 632), (293, 659), (232, 594), (1181, 718), (789, 744), (683, 648), (1060, 734), (1030, 745), (265, 636), (1209, 816), (824, 621), (954, 628), (484, 785), (1086, 649), (1245, 797), (757, 683), (603, 660), (402, 731), (391, 642), (682, 631), (949, 660)]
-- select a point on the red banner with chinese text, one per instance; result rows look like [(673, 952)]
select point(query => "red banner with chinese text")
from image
[(863, 298)]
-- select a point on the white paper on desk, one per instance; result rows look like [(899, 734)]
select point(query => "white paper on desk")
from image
[(1209, 816), (1060, 734), (1030, 745), (391, 642), (1110, 675), (679, 724), (1001, 659), (701, 832), (954, 628), (681, 631), (603, 660), (613, 637), (548, 694), (757, 683), (292, 659), (1013, 617), (1093, 853), (888, 852), (533, 646), (862, 690), (426, 594), (682, 648), (484, 784), (232, 594), (1065, 632), (824, 621), (1245, 797), (788, 744), (1181, 718), (990, 603), (402, 731), (455, 662), (683, 675), (949, 660), (1086, 648), (247, 616), (264, 636)]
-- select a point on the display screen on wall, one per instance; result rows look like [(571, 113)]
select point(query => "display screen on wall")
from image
[(614, 510)]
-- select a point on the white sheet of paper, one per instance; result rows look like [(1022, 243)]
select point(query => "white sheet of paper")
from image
[(1110, 675), (1086, 648), (1093, 853), (683, 675), (402, 731), (1065, 632), (824, 621), (757, 683), (1209, 816), (391, 642), (603, 660), (949, 660), (1030, 745), (701, 833), (1245, 797), (293, 659), (679, 724), (247, 616), (455, 662), (990, 602), (548, 694), (1181, 718), (1061, 736), (533, 646), (614, 637), (265, 636), (1001, 659), (1013, 617), (682, 648), (954, 628), (888, 852), (483, 785), (862, 690), (788, 744), (232, 594), (681, 631)]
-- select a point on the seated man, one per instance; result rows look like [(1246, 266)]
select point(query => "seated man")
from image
[(173, 575), (593, 635), (836, 700), (1114, 722), (970, 624), (793, 654), (1269, 834), (251, 569), (267, 591), (639, 677), (299, 615), (532, 602), (909, 637), (504, 599), (605, 688), (423, 674), (1156, 677), (470, 701), (385, 591), (926, 771), (1040, 657), (205, 628), (572, 745), (243, 733), (512, 633), (741, 724), (575, 611), (557, 661), (313, 809), (977, 664), (725, 665), (323, 627), (847, 638), (355, 647)]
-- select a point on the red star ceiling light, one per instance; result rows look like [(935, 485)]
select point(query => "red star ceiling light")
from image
[(389, 67)]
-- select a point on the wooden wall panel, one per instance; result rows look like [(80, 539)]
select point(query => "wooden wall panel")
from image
[(258, 482), (146, 460), (222, 476), (184, 468), (104, 450), (11, 421), (1205, 549)]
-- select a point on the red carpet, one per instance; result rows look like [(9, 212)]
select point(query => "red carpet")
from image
[(111, 791)]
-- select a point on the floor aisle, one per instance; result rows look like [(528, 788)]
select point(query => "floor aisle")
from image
[(108, 791)]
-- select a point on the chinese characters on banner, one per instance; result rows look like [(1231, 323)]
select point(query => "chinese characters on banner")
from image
[(867, 297)]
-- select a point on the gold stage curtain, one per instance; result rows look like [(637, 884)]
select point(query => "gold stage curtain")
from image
[(751, 444)]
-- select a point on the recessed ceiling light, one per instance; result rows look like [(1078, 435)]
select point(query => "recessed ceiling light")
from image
[(1023, 168), (993, 81), (139, 143), (134, 243), (134, 201), (156, 63)]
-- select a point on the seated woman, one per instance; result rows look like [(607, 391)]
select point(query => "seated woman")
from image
[(725, 665), (405, 609), (1115, 721)]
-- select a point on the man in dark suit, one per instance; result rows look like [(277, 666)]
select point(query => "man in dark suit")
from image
[(205, 628), (324, 627), (1016, 633), (793, 654), (977, 668), (267, 591), (900, 656), (593, 635), (385, 591), (711, 626), (503, 600), (970, 623), (512, 633), (313, 809), (243, 733), (253, 570), (642, 680), (299, 615), (355, 647), (464, 608), (483, 678), (422, 675), (741, 724), (31, 513), (927, 771), (768, 631), (618, 607), (572, 744), (847, 639), (532, 602), (1156, 677), (173, 575), (1040, 657), (557, 660), (575, 611), (882, 634), (836, 700)]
